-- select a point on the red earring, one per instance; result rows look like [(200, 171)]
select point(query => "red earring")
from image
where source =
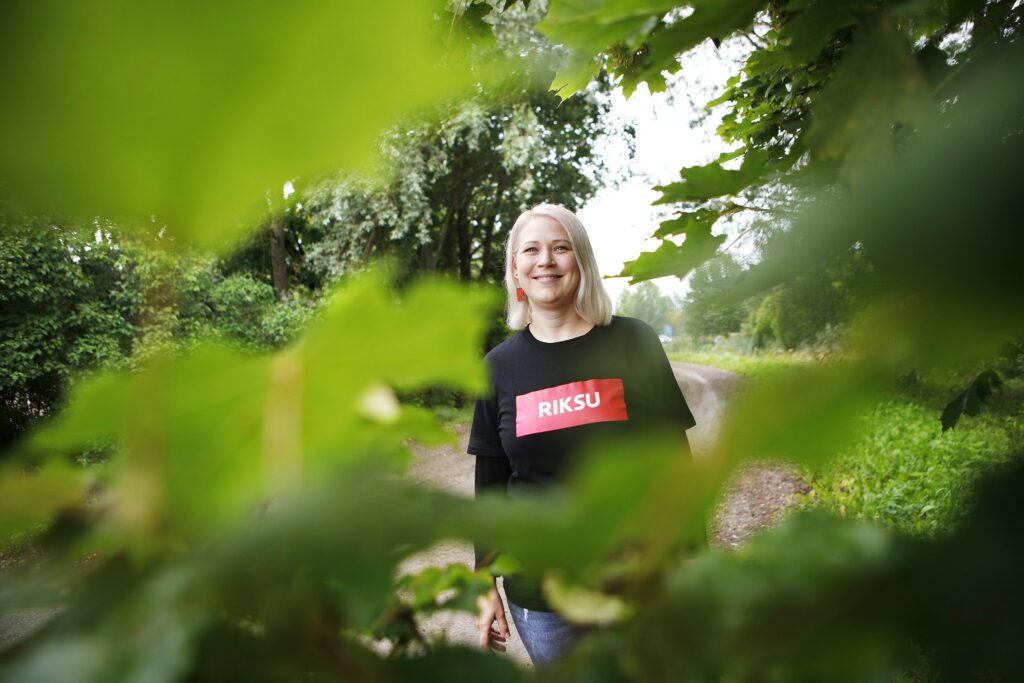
[(520, 294)]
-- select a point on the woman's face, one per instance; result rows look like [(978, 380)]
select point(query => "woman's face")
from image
[(545, 265)]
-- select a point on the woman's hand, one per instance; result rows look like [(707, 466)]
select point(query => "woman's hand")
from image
[(491, 609)]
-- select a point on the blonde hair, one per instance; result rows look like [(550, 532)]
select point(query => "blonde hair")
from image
[(592, 301)]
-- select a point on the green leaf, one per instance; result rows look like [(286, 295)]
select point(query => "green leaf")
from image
[(578, 71), (970, 400), (712, 180), (802, 37), (272, 425), (474, 25), (592, 27), (670, 259), (877, 86), (193, 114), (30, 498), (689, 222), (711, 19), (942, 291), (582, 605)]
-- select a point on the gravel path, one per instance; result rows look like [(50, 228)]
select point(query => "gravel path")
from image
[(757, 496)]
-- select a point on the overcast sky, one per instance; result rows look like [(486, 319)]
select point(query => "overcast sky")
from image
[(620, 220)]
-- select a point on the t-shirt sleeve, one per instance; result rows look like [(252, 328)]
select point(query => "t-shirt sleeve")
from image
[(492, 475), (672, 406), (493, 469), (484, 439)]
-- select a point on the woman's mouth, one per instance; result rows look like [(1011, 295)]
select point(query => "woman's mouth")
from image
[(547, 278)]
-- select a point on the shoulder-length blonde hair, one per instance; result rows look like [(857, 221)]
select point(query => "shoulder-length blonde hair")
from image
[(592, 301)]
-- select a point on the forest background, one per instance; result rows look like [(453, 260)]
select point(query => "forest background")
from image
[(214, 336)]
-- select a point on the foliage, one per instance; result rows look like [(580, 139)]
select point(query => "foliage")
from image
[(80, 298), (971, 399), (647, 303), (66, 305), (905, 472), (759, 367), (244, 310), (250, 521), (125, 138), (705, 316), (860, 113), (457, 186)]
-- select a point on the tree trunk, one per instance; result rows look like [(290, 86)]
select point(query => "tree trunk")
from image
[(487, 238), (368, 247), (465, 254), (278, 261)]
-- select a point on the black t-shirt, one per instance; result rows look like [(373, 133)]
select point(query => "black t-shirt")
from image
[(549, 400)]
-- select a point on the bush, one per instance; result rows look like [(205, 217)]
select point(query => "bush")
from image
[(905, 473), (65, 307)]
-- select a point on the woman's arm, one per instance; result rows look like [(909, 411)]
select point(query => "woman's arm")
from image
[(492, 475)]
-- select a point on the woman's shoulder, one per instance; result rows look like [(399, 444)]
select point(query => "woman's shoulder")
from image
[(505, 350), (632, 327)]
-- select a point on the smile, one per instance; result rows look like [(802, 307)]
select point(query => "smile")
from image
[(547, 278)]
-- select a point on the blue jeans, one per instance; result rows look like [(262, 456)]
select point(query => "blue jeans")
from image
[(545, 635)]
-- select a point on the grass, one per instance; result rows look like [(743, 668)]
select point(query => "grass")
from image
[(905, 473), (902, 471), (761, 366), (452, 417)]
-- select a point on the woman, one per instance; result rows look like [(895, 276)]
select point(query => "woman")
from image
[(573, 373)]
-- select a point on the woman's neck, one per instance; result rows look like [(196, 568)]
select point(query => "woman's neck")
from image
[(556, 326)]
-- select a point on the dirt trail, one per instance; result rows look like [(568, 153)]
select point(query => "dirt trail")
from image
[(755, 499)]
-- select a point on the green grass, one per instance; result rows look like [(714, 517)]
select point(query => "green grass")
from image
[(452, 417), (760, 366), (902, 471), (905, 473)]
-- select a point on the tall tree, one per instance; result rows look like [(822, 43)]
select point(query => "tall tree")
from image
[(456, 187), (705, 316), (646, 302)]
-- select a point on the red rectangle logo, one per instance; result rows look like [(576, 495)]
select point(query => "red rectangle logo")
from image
[(570, 405)]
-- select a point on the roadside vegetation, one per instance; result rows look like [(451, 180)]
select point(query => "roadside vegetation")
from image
[(901, 469)]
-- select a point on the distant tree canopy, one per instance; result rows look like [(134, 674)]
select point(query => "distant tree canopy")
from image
[(646, 302), (705, 316), (452, 182), (456, 187), (794, 314), (76, 298)]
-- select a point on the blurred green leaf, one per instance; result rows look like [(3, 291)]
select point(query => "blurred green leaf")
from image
[(876, 86), (803, 36), (30, 498), (193, 113), (583, 606), (577, 73), (206, 435)]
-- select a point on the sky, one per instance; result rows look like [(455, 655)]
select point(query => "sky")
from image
[(620, 219)]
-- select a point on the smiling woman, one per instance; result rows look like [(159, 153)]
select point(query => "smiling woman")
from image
[(574, 374), (549, 257)]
